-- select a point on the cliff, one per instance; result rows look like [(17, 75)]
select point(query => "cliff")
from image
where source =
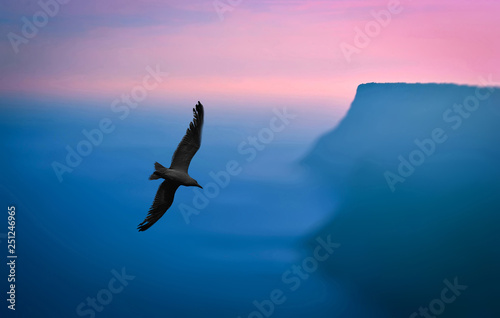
[(417, 168)]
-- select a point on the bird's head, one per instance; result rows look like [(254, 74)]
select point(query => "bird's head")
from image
[(197, 185)]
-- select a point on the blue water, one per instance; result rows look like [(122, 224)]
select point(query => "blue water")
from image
[(303, 229), (72, 235)]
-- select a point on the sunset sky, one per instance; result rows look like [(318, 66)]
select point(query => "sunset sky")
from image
[(260, 50)]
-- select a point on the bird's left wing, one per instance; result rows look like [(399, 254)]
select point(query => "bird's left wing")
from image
[(191, 142), (163, 200)]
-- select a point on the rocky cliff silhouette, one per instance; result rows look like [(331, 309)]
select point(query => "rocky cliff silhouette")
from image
[(417, 167)]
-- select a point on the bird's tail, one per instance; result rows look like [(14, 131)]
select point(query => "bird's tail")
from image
[(155, 175)]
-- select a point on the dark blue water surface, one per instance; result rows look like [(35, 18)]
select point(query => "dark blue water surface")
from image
[(300, 229), (72, 234)]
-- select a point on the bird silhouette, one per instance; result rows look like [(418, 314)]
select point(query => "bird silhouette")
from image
[(177, 174)]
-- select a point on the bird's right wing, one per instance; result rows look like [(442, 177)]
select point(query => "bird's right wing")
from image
[(191, 142), (163, 200)]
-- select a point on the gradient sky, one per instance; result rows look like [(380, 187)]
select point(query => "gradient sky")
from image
[(260, 50)]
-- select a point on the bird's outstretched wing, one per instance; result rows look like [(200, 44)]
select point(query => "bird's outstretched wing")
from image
[(163, 200), (190, 144)]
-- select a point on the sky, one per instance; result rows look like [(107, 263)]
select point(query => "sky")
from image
[(259, 50)]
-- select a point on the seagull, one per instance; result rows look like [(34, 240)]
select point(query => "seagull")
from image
[(177, 174)]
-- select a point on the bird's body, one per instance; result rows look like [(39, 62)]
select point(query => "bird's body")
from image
[(177, 174), (173, 175)]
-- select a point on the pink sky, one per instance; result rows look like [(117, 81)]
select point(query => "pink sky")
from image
[(261, 50)]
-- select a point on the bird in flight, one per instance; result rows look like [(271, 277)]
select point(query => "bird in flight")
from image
[(177, 174)]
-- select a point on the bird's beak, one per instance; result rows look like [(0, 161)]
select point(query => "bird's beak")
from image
[(199, 186)]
